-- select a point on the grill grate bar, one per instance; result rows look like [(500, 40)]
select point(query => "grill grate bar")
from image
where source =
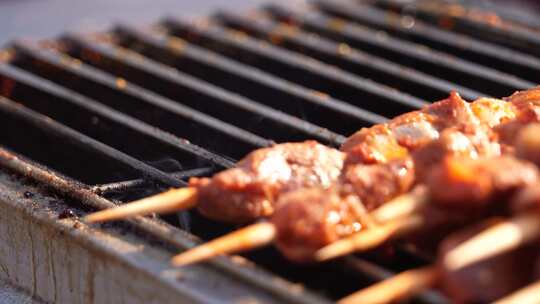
[(24, 77), (149, 69), (80, 77), (417, 56), (156, 228), (57, 129), (406, 27), (517, 37), (218, 101), (122, 186), (517, 16), (378, 69), (295, 67), (273, 91)]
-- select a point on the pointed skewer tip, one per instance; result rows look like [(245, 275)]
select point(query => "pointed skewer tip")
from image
[(174, 200), (247, 238), (370, 238)]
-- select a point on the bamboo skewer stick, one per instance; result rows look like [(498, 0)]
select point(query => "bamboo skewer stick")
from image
[(170, 201), (403, 205), (495, 240), (527, 295), (250, 237), (401, 286), (369, 238)]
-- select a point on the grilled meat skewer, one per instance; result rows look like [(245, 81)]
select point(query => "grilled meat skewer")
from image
[(461, 190), (463, 269), (462, 184), (519, 230), (467, 141), (528, 294), (248, 191), (461, 129), (307, 220), (479, 283)]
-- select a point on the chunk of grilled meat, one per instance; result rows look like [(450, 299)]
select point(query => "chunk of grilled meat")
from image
[(408, 132), (250, 190), (311, 218), (308, 219), (448, 127), (472, 184), (375, 184)]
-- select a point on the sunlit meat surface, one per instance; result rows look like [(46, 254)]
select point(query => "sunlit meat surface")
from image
[(249, 191)]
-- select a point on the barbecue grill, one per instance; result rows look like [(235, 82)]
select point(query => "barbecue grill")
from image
[(94, 120)]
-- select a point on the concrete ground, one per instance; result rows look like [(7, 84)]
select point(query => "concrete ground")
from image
[(11, 295)]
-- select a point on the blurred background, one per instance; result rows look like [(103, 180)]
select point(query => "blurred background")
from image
[(46, 18)]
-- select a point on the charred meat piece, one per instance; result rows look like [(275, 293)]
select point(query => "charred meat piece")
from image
[(249, 191)]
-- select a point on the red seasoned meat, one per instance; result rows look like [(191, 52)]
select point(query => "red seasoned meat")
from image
[(472, 184), (249, 191), (309, 219)]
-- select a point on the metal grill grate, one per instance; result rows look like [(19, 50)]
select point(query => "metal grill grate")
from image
[(130, 112)]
